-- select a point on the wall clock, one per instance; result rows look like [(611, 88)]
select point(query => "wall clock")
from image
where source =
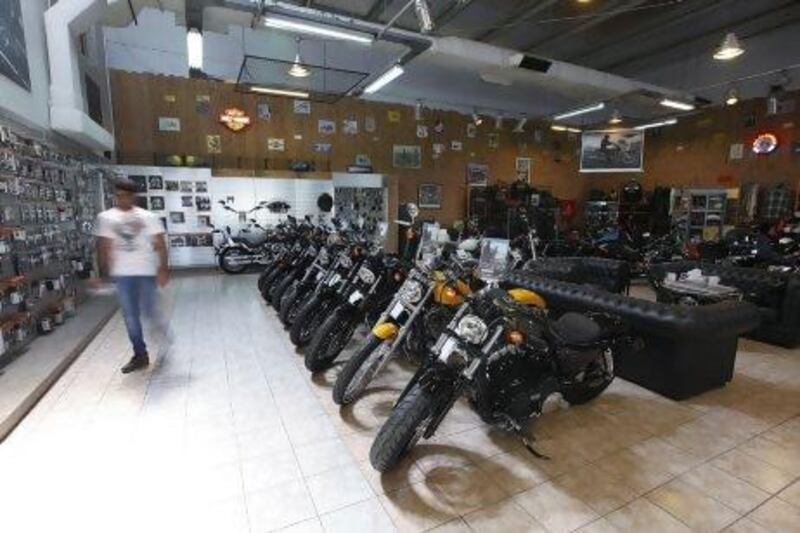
[(765, 144)]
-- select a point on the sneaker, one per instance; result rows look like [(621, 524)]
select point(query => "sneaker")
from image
[(136, 362)]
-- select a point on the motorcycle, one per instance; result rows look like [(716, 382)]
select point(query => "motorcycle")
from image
[(248, 249), (418, 312), (508, 356)]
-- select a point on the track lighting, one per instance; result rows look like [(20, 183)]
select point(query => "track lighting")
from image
[(194, 48), (732, 98), (676, 104), (580, 111), (384, 79), (616, 117), (729, 49), (423, 12), (520, 127), (668, 122)]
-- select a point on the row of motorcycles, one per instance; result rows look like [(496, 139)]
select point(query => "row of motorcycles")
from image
[(447, 309)]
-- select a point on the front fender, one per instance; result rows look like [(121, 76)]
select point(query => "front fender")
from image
[(385, 330)]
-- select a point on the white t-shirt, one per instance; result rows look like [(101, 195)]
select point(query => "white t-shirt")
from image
[(131, 233)]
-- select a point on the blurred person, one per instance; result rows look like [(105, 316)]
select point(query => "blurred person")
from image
[(132, 252)]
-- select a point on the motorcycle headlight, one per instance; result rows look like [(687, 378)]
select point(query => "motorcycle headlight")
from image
[(411, 291), (472, 329), (366, 275)]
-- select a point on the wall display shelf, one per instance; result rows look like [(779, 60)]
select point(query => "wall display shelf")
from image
[(700, 214), (48, 204)]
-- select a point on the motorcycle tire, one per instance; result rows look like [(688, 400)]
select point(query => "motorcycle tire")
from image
[(308, 319), (269, 282), (404, 427), (264, 278), (291, 302), (355, 375), (231, 269), (282, 289), (589, 389), (272, 294), (331, 338)]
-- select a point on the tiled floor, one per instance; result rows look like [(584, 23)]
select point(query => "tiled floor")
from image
[(231, 434)]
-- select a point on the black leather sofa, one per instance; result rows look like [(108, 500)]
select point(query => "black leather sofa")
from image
[(776, 294), (687, 350), (609, 274)]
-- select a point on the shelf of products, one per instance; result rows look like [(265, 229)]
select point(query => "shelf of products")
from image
[(700, 213), (48, 204)]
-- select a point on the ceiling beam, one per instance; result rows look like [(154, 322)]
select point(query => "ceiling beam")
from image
[(453, 9), (611, 10), (651, 26), (528, 10), (748, 26)]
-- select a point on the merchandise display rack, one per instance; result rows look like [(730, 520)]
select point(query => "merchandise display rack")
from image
[(48, 203)]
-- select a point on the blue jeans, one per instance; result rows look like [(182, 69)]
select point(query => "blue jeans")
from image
[(138, 294)]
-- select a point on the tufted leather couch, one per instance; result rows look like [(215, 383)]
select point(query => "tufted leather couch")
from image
[(776, 294), (608, 274), (687, 350)]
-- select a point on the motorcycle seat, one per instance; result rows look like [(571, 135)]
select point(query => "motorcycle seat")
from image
[(575, 328)]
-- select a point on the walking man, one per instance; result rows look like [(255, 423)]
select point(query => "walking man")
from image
[(131, 250)]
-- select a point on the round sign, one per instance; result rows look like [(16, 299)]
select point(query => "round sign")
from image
[(765, 143)]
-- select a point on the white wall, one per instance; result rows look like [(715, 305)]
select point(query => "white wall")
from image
[(30, 108)]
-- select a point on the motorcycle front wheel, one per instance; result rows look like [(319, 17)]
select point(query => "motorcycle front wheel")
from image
[(406, 424), (231, 261), (359, 370), (308, 319), (279, 286), (331, 338), (264, 276), (269, 282), (291, 301)]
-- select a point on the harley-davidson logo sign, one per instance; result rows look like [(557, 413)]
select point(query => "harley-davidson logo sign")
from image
[(234, 119)]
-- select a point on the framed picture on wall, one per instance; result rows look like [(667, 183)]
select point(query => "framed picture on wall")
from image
[(522, 166), (172, 185), (155, 183), (477, 175), (429, 196), (612, 151), (156, 203), (406, 156)]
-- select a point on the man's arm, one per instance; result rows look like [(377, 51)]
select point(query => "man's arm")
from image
[(103, 245), (160, 246)]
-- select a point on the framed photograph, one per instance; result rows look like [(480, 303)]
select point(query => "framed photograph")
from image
[(350, 127), (276, 144), (187, 186), (203, 221), (326, 127), (322, 148), (437, 149), (456, 146), (472, 130), (14, 65), (369, 124), (477, 175), (187, 201), (201, 186), (522, 165), (422, 131), (140, 182), (612, 151), (169, 124), (363, 160), (156, 203), (203, 203), (177, 217), (172, 185), (429, 196), (494, 141), (155, 183), (177, 241), (302, 107), (214, 144), (406, 156), (263, 111)]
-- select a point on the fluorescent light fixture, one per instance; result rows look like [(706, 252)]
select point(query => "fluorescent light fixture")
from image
[(384, 79), (732, 98), (423, 11), (616, 117), (668, 122), (320, 30), (574, 130), (194, 48), (580, 111), (556, 127), (676, 104), (279, 92), (729, 49), (520, 127)]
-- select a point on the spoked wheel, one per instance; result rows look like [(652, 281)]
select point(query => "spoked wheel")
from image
[(330, 340), (594, 379), (290, 304), (234, 261), (360, 370), (402, 430), (308, 319)]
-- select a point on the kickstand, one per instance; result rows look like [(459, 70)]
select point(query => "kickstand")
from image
[(529, 446)]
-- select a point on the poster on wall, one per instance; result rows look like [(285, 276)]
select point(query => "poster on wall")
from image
[(393, 116), (326, 127), (214, 144), (276, 144), (472, 130), (350, 127), (169, 124), (422, 131), (612, 151), (522, 165), (13, 54), (477, 174), (456, 146), (494, 141), (429, 196), (369, 124), (263, 111), (202, 104), (322, 148), (302, 107), (156, 203), (405, 156), (736, 151), (155, 183)]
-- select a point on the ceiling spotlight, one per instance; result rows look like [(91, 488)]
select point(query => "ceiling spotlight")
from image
[(732, 97), (616, 117), (729, 49), (580, 111), (476, 118), (675, 104), (668, 122), (194, 48), (298, 70), (520, 127), (423, 11), (498, 122), (384, 79)]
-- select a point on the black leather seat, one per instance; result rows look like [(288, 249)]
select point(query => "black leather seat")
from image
[(578, 329)]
